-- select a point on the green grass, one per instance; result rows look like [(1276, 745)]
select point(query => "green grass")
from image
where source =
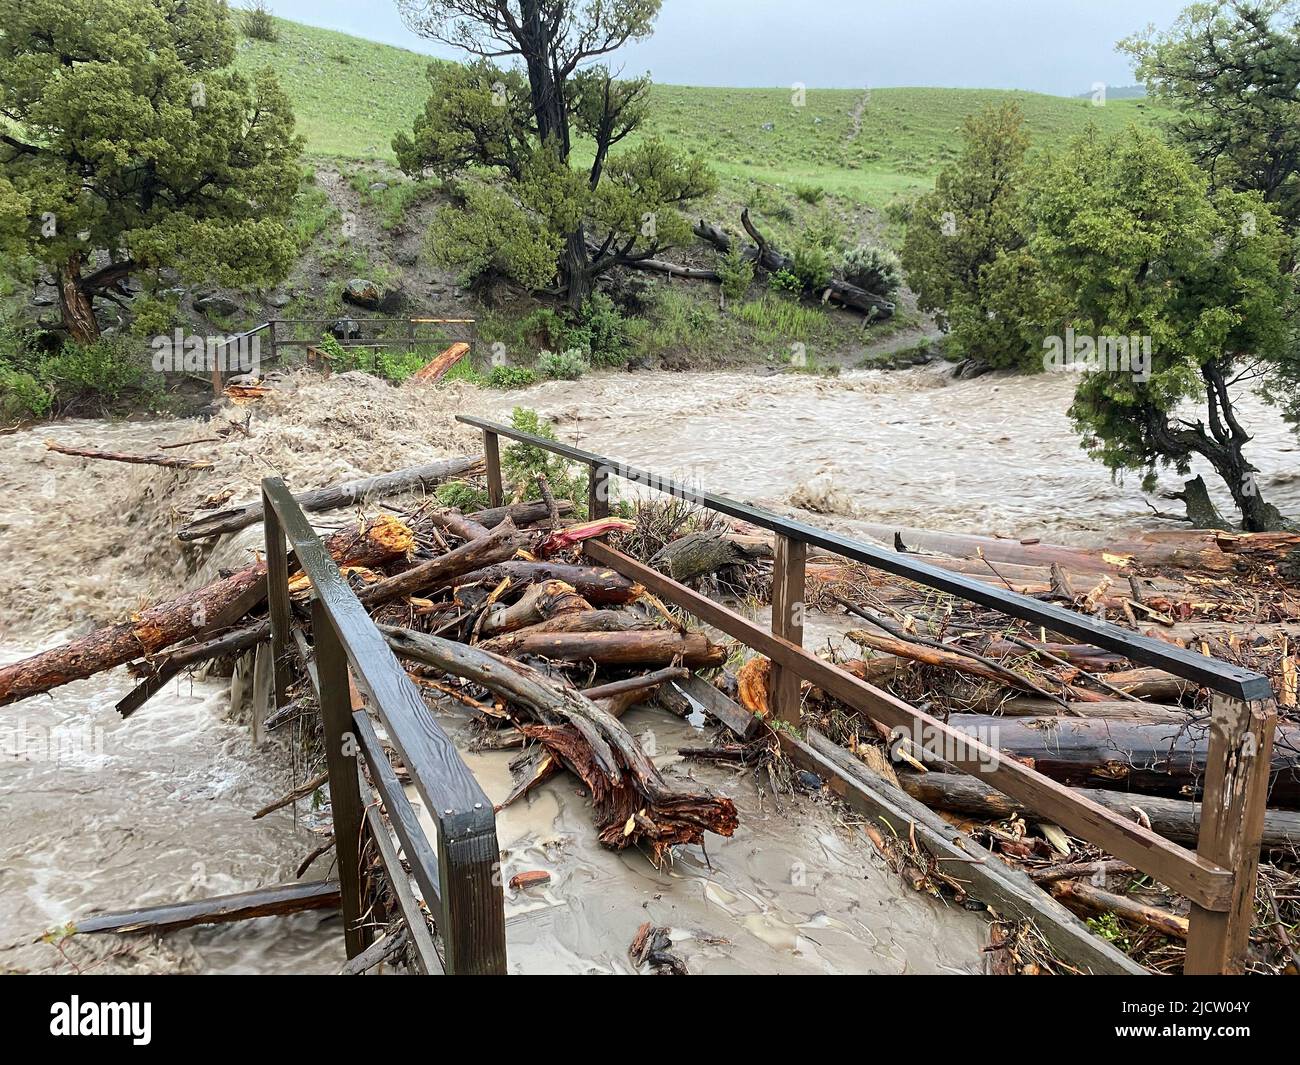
[(351, 96)]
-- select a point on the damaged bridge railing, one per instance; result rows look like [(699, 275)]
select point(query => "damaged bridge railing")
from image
[(458, 875), (1218, 878)]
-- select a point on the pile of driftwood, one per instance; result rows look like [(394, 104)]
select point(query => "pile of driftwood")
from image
[(495, 610), (1134, 737)]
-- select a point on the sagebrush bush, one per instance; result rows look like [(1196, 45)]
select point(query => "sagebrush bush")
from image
[(878, 270), (563, 365)]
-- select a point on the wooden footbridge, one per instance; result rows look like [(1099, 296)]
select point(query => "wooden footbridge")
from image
[(458, 872)]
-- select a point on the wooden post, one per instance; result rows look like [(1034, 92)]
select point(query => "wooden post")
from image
[(341, 748), (598, 492), (1232, 822), (492, 459), (410, 336), (787, 622), (473, 921), (277, 596)]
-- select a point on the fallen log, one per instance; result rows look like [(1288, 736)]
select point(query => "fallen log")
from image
[(945, 658), (596, 585), (774, 261), (156, 672), (703, 553), (223, 909), (640, 647), (540, 603), (434, 370), (1175, 819), (521, 514), (1080, 896), (346, 494), (1027, 706), (588, 621), (454, 522), (1156, 758), (502, 543), (634, 803), (192, 614), (119, 456)]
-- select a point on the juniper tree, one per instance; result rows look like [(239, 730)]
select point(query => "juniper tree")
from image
[(534, 88), (126, 145), (1231, 71), (1130, 229), (966, 251)]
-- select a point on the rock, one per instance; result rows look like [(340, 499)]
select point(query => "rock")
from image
[(768, 127), (378, 186), (345, 329), (43, 301), (808, 781), (280, 299), (408, 258), (362, 293), (639, 363), (394, 301), (211, 305)]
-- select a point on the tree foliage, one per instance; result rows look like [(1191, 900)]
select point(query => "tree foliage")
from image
[(126, 145), (519, 120), (1130, 228), (966, 251), (1231, 69)]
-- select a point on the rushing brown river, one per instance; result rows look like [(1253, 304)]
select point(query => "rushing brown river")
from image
[(102, 813)]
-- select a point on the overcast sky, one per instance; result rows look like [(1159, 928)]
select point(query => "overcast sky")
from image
[(1055, 46)]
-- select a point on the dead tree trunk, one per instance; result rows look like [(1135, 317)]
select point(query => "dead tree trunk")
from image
[(634, 803), (335, 496), (190, 615)]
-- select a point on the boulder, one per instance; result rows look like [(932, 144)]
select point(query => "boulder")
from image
[(362, 293), (214, 304), (345, 329)]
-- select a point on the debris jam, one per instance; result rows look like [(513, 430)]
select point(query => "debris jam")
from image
[(569, 688)]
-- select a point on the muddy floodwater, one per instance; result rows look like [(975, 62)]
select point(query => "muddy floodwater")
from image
[(993, 455), (99, 813)]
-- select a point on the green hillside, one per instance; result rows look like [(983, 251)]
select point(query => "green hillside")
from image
[(351, 95)]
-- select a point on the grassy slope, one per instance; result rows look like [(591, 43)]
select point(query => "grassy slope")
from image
[(351, 95)]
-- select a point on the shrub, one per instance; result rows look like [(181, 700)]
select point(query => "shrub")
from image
[(784, 281), (505, 377), (810, 194), (601, 331), (259, 23), (812, 263), (877, 270), (900, 209), (94, 378), (522, 463), (737, 273), (22, 396), (462, 496), (565, 365)]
